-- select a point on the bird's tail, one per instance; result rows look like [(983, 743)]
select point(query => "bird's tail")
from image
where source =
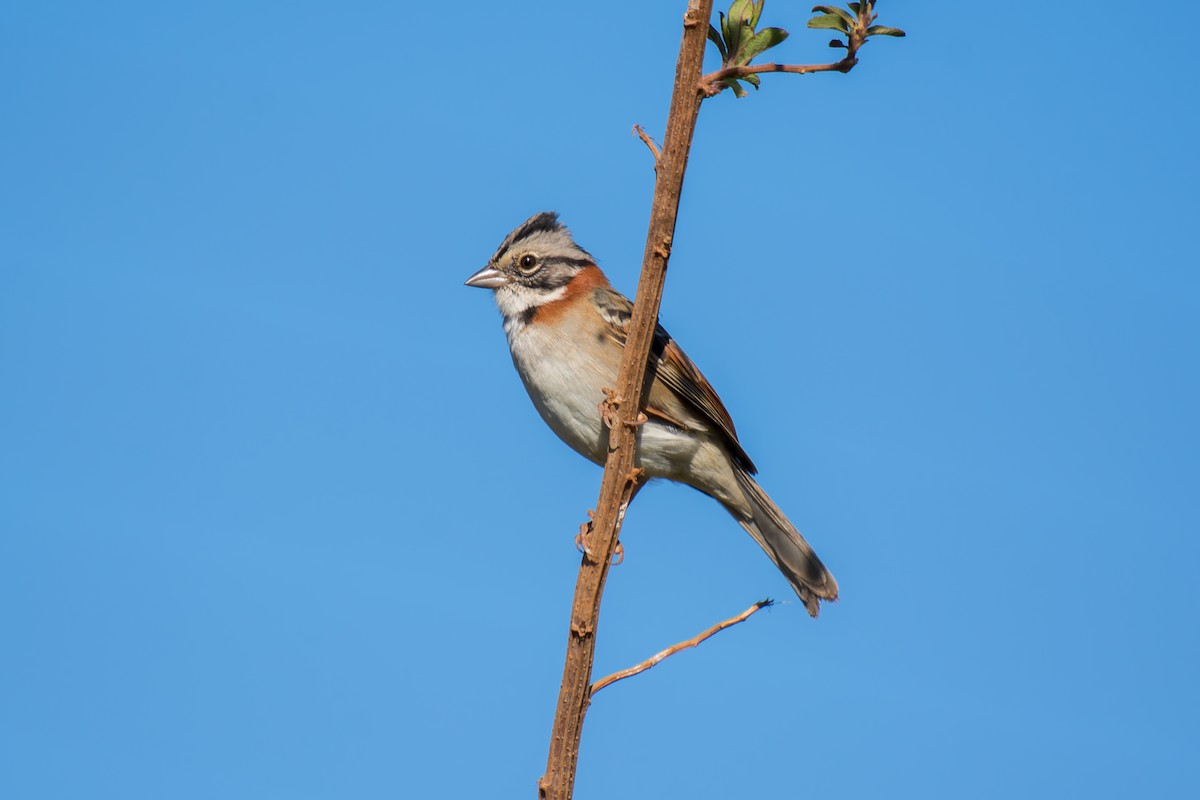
[(784, 544)]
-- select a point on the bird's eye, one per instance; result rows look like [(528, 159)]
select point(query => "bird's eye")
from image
[(528, 264)]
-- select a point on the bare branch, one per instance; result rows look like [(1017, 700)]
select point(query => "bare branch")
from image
[(645, 137), (658, 658)]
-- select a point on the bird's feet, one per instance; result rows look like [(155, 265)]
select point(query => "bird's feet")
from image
[(583, 541), (608, 410)]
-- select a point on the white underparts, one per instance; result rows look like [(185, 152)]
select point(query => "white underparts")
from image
[(565, 376)]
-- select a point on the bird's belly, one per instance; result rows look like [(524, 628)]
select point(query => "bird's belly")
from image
[(566, 387)]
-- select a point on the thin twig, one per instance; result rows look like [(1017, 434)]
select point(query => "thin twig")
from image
[(645, 137), (711, 83), (658, 658)]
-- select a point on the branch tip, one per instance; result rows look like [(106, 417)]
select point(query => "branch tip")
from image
[(654, 148)]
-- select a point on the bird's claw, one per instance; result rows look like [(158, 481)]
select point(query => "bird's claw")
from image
[(609, 406), (583, 542)]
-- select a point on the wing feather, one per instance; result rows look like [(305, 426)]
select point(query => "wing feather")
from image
[(674, 376)]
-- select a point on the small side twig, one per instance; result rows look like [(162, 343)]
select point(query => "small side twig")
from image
[(645, 137), (711, 84), (675, 648)]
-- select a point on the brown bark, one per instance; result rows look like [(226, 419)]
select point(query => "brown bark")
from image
[(620, 478)]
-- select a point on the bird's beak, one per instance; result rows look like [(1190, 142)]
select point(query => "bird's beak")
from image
[(488, 278)]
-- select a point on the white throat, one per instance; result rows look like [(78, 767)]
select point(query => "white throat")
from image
[(515, 301)]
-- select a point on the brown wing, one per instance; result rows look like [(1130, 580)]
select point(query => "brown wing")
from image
[(677, 381)]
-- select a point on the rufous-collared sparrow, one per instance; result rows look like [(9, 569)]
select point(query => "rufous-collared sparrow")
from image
[(566, 330)]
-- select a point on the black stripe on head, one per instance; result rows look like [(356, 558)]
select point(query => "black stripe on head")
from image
[(544, 222)]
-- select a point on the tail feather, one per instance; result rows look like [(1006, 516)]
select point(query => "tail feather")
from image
[(777, 536)]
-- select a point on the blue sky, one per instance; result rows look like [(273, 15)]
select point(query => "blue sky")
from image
[(278, 520)]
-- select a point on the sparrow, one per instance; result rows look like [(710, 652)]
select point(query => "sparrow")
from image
[(566, 328)]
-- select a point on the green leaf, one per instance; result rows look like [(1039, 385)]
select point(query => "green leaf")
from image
[(724, 29), (884, 30), (740, 11), (763, 40), (854, 7), (831, 21), (849, 20), (714, 36), (739, 28), (745, 35), (756, 12), (752, 80)]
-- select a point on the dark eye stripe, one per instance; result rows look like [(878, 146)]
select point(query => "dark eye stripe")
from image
[(556, 279), (549, 277), (555, 261)]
